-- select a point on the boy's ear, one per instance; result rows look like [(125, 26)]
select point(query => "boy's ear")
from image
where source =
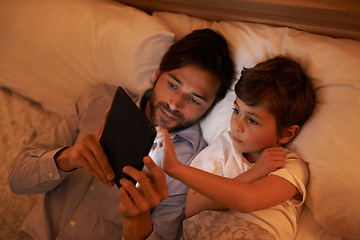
[(289, 134)]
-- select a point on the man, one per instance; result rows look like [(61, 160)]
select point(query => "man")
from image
[(70, 167)]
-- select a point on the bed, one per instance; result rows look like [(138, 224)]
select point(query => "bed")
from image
[(53, 51)]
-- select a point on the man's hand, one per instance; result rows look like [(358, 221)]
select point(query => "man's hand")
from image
[(136, 202), (88, 154)]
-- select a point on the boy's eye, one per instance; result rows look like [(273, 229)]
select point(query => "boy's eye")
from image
[(252, 121), (236, 111)]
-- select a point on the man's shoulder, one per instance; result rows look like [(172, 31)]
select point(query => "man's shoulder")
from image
[(102, 90), (97, 99), (191, 135)]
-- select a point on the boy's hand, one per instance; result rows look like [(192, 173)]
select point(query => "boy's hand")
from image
[(269, 160), (166, 151)]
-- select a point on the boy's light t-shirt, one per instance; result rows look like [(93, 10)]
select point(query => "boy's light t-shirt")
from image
[(281, 220)]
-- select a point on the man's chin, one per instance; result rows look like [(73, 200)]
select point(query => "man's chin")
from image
[(171, 128), (179, 127)]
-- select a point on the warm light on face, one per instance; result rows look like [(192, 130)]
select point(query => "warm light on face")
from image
[(181, 97), (252, 128)]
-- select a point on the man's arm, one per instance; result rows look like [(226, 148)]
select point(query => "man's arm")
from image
[(136, 202), (35, 169), (47, 166), (88, 154)]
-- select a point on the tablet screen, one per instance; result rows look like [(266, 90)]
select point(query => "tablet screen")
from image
[(127, 136)]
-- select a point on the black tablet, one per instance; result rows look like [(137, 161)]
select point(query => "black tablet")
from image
[(127, 136)]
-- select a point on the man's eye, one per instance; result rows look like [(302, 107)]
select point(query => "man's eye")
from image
[(193, 100), (236, 111), (173, 86)]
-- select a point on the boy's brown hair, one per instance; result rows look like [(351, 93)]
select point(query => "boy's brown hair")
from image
[(280, 85)]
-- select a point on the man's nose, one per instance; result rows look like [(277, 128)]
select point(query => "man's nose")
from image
[(176, 101)]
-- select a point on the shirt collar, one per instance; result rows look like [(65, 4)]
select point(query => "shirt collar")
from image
[(191, 134), (144, 99)]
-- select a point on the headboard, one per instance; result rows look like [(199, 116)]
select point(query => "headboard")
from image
[(336, 18)]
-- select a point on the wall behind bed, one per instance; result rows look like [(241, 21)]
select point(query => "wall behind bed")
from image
[(337, 18)]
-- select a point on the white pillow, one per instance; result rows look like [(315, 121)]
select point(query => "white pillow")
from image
[(329, 141), (52, 51)]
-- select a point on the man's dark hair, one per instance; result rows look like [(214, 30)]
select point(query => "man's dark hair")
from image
[(280, 85), (205, 49)]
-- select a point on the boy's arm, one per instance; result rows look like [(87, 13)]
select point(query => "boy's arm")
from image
[(196, 203), (269, 161), (248, 197), (261, 194)]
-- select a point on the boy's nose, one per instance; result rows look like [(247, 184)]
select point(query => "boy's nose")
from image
[(239, 125)]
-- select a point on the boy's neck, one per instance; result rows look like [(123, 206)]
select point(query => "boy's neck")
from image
[(252, 157)]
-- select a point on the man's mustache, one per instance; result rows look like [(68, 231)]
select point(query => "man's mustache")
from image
[(166, 107)]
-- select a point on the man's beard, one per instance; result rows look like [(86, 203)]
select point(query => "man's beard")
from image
[(158, 121)]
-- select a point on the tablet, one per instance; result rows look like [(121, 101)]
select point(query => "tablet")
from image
[(127, 136)]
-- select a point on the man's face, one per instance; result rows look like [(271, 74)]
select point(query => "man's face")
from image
[(180, 97)]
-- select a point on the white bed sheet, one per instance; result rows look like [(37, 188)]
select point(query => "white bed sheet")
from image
[(21, 120)]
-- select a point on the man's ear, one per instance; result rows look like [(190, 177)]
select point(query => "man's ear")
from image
[(289, 133), (157, 75)]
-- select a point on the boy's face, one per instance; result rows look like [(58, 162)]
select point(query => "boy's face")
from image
[(180, 97), (252, 129)]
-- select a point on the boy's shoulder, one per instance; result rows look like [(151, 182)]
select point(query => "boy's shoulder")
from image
[(220, 148)]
